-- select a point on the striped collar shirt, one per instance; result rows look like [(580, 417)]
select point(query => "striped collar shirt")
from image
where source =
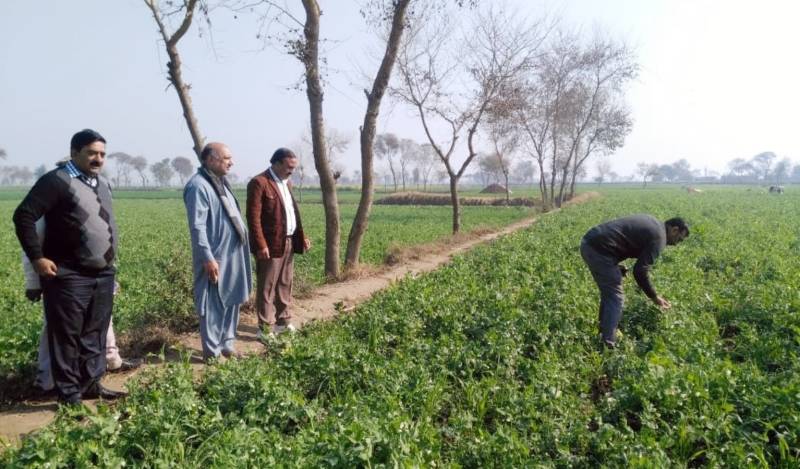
[(74, 172), (286, 197)]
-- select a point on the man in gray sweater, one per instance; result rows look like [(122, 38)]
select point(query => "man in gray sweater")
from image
[(642, 237), (75, 264)]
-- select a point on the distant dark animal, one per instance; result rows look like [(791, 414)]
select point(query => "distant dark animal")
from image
[(776, 189)]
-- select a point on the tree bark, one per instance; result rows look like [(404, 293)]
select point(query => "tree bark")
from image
[(315, 95), (367, 134), (174, 69), (508, 190), (455, 203), (174, 66)]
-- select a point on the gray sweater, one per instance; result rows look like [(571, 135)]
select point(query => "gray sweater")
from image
[(642, 237), (80, 230)]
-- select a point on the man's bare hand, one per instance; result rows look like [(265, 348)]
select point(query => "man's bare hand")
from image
[(306, 244), (212, 270), (263, 254), (662, 303), (45, 267)]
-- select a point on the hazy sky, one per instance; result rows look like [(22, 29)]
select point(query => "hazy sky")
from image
[(718, 80)]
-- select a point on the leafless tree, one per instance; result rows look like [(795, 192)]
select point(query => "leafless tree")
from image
[(782, 170), (302, 149), (3, 154), (424, 162), (740, 166), (122, 167), (139, 164), (762, 164), (183, 166), (162, 172), (526, 103), (598, 122), (185, 11), (603, 169), (392, 15), (570, 107), (645, 171), (604, 134), (387, 146), (524, 172), (336, 143), (504, 142), (488, 171), (409, 153), (299, 35), (496, 49)]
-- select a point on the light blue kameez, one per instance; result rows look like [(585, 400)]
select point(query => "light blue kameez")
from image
[(214, 237)]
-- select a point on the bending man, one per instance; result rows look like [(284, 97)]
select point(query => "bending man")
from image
[(642, 237)]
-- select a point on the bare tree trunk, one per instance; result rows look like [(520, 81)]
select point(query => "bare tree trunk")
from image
[(359, 227), (508, 190), (394, 174), (455, 203), (182, 89), (174, 68), (553, 172), (562, 183), (572, 186), (315, 98)]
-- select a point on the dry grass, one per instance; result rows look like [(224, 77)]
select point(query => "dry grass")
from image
[(423, 198), (399, 254), (140, 342), (580, 198)]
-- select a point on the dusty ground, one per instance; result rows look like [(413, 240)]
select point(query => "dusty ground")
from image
[(321, 304)]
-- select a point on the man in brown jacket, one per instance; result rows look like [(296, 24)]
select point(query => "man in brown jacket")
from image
[(276, 234)]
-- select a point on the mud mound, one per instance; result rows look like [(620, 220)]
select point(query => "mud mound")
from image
[(494, 189)]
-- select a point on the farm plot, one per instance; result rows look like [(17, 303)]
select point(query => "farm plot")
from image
[(155, 265), (494, 361)]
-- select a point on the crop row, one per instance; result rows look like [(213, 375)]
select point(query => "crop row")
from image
[(154, 267), (494, 361)]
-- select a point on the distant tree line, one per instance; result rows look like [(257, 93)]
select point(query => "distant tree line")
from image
[(123, 170), (763, 168), (135, 171)]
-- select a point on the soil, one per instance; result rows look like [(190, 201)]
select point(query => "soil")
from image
[(322, 303)]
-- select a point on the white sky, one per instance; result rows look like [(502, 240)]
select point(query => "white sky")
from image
[(719, 80)]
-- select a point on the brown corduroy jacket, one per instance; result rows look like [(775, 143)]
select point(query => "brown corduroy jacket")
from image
[(266, 219)]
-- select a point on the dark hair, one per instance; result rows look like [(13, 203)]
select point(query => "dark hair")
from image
[(83, 138), (208, 150), (281, 154), (679, 222)]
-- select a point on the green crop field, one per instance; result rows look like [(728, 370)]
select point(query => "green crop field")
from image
[(493, 361), (154, 263)]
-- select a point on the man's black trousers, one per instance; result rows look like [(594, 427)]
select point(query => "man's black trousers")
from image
[(78, 310)]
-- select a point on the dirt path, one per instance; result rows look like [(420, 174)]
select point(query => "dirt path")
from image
[(321, 304)]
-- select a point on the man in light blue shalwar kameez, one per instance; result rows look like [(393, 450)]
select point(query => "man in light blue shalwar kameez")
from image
[(220, 252)]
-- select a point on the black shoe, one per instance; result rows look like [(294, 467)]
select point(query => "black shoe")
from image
[(99, 392), (70, 401), (232, 354), (40, 394), (128, 364)]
